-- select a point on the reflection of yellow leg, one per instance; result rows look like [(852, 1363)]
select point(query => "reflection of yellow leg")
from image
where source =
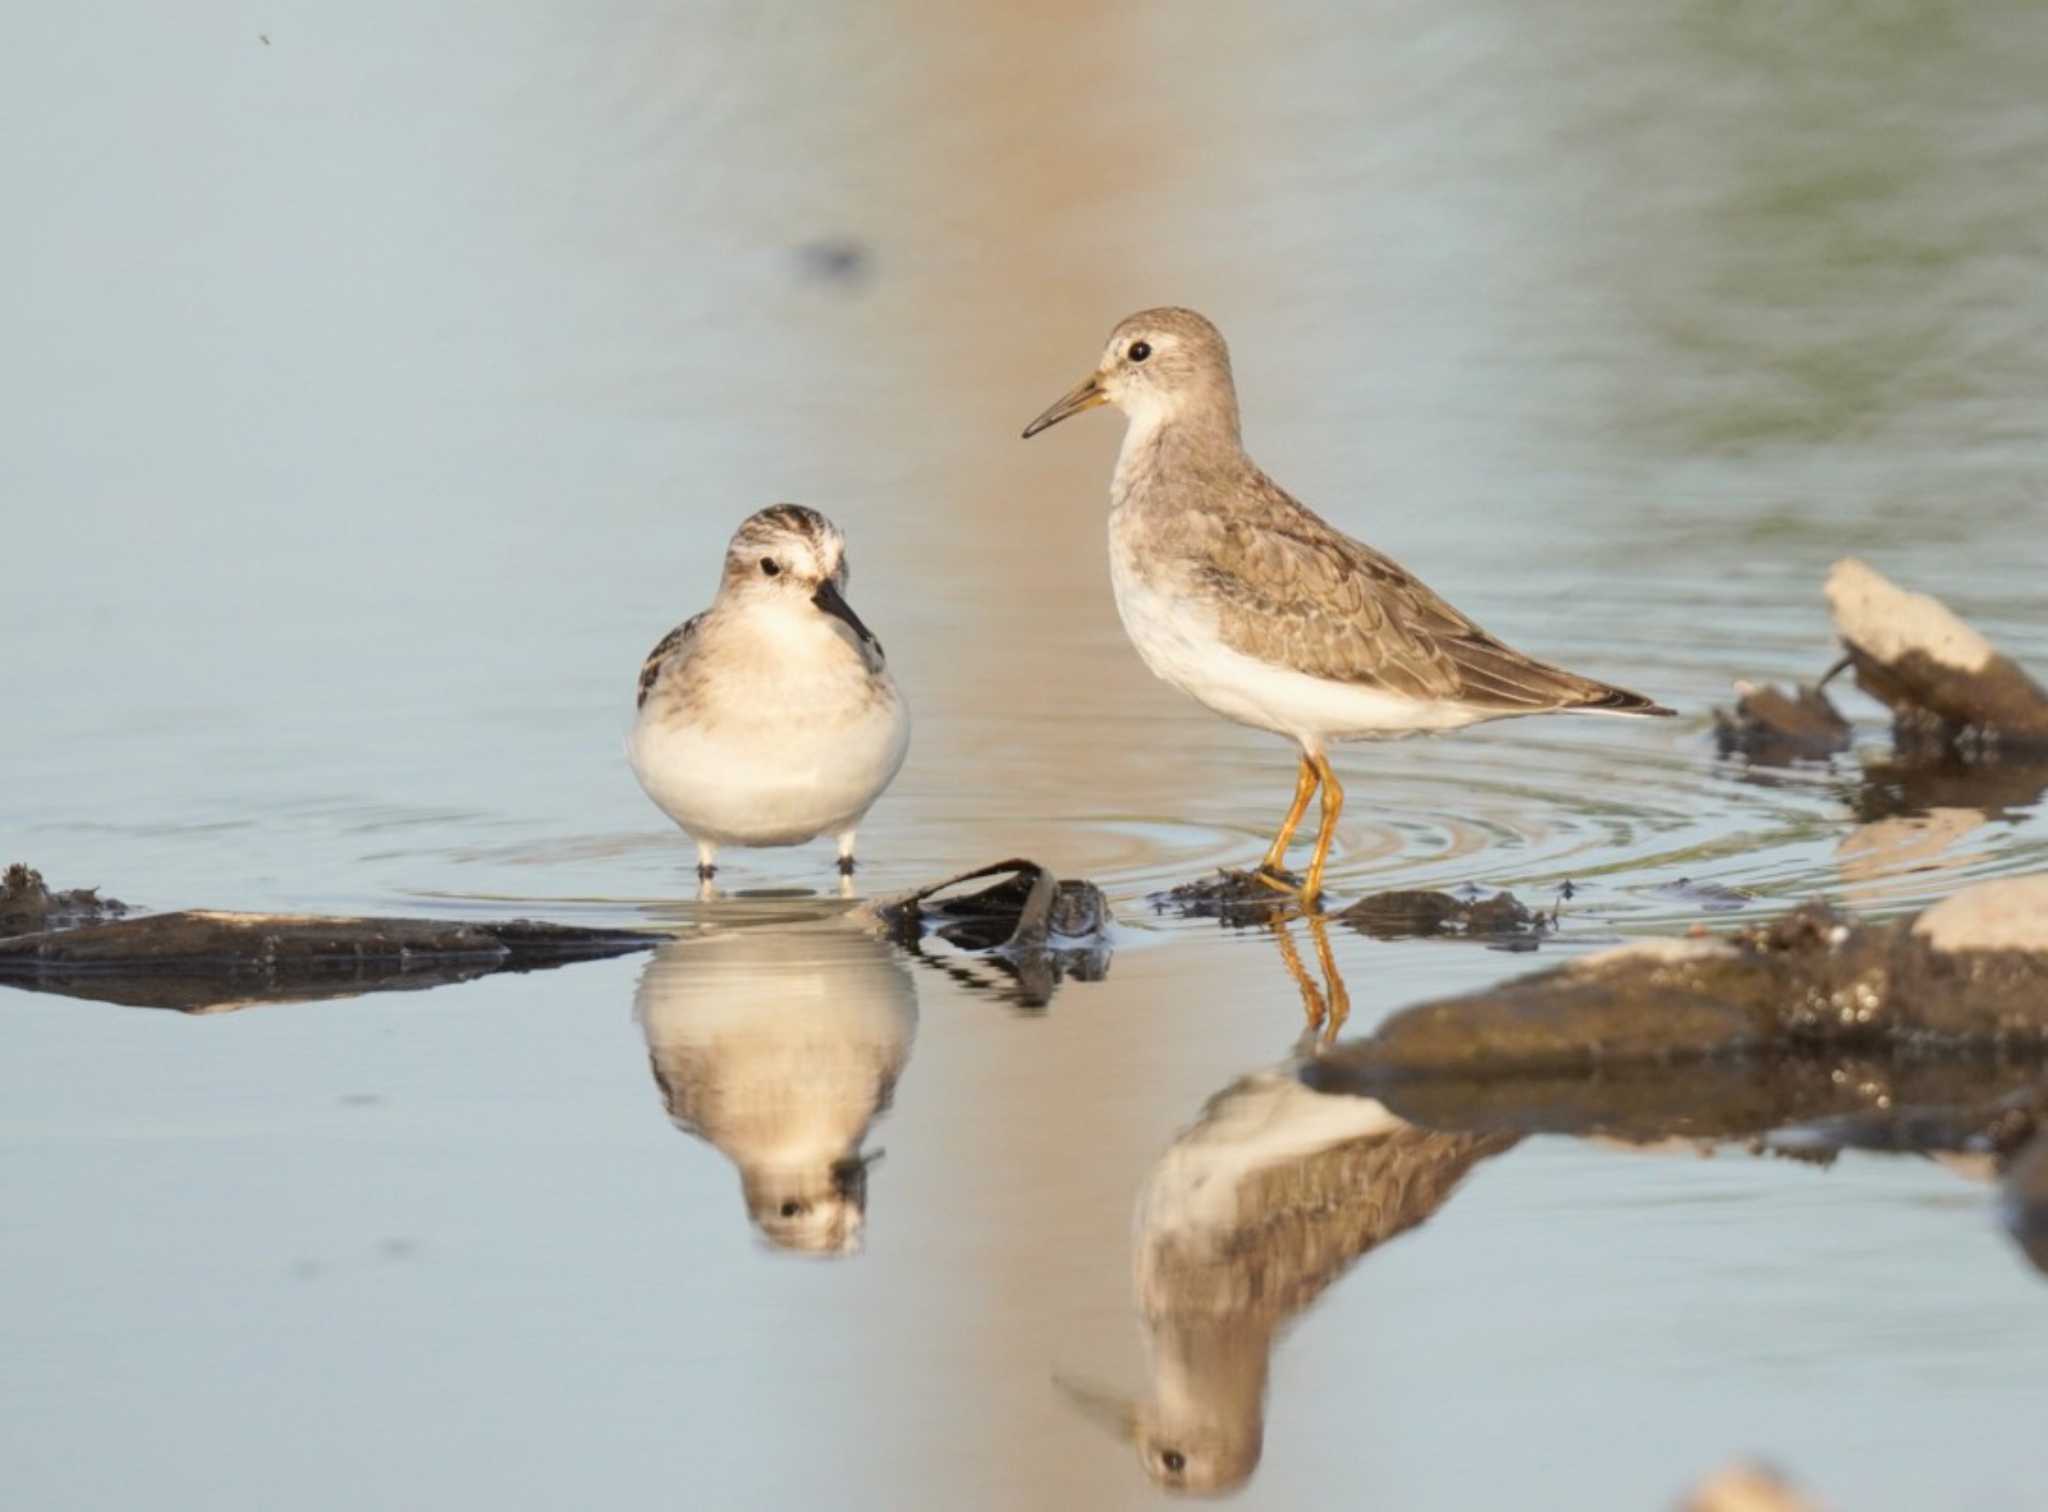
[(1333, 805), (1340, 999), (1313, 1008), (1324, 1010), (1304, 785)]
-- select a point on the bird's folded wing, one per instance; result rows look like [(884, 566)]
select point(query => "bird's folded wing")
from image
[(1300, 594), (667, 646)]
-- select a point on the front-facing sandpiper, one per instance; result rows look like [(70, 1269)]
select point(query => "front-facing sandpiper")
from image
[(1235, 592), (770, 718)]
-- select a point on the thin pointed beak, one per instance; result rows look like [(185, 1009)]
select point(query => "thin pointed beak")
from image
[(1111, 1411), (828, 599), (1085, 395)]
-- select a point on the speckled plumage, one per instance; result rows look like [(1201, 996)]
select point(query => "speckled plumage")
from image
[(1236, 593), (1245, 1221)]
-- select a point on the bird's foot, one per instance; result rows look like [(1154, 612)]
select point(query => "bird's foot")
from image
[(706, 871), (1304, 895), (846, 866)]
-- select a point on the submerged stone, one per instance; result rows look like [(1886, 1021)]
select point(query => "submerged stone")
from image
[(1419, 912), (1773, 727)]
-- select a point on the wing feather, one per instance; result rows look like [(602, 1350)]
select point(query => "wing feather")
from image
[(1292, 590), (667, 646)]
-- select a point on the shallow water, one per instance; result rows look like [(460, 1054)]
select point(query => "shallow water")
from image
[(383, 390)]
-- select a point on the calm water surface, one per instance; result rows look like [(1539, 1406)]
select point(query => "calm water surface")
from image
[(382, 390)]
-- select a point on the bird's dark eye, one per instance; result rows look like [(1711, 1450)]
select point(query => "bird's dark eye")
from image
[(1174, 1461), (791, 1209), (769, 567), (1140, 350)]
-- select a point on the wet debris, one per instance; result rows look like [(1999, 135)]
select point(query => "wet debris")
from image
[(1033, 928), (27, 905), (1948, 688), (1970, 973), (1240, 899), (206, 961), (1236, 899), (1773, 727), (1414, 913)]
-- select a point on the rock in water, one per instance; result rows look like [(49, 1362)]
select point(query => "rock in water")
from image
[(1774, 728), (1944, 683)]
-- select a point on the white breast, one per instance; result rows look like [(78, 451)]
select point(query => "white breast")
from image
[(1176, 634), (765, 747)]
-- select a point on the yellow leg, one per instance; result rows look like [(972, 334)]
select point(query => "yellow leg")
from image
[(1333, 805), (1304, 785)]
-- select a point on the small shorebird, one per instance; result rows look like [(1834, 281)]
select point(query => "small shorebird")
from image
[(1235, 592), (770, 718)]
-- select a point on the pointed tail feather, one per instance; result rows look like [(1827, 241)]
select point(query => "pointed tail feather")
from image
[(1612, 700)]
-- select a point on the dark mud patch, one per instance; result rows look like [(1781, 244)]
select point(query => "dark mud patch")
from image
[(203, 961), (1241, 899), (1502, 919), (27, 906)]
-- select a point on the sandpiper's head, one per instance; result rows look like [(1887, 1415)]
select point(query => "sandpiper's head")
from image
[(1198, 1453), (1159, 365), (789, 555), (787, 548), (818, 1211)]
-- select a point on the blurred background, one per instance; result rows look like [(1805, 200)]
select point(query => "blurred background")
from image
[(382, 381)]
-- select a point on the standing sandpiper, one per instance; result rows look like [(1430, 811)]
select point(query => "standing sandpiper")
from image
[(770, 718), (1236, 593)]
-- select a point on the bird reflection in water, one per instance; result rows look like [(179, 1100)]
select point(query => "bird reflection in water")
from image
[(781, 1046), (1244, 1222)]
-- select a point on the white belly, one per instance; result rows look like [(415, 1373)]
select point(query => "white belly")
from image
[(1177, 637), (778, 781)]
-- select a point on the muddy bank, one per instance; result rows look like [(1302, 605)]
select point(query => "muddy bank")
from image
[(1969, 974), (1031, 929), (201, 961)]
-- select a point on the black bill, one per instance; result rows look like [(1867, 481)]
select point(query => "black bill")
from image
[(828, 599)]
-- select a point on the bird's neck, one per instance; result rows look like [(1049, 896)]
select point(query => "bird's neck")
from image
[(1163, 443), (1210, 1374)]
